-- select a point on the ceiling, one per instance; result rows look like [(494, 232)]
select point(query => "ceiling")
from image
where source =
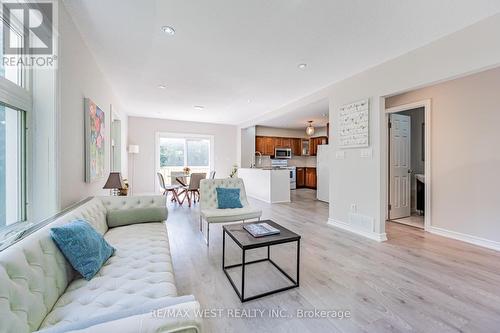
[(239, 58), (298, 117)]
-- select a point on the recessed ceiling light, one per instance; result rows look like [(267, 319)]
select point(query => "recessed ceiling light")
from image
[(168, 30), (199, 107), (249, 101), (302, 66), (162, 86)]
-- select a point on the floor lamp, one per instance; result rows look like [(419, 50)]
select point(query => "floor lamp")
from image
[(133, 150)]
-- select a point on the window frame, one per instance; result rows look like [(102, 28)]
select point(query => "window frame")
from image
[(19, 97)]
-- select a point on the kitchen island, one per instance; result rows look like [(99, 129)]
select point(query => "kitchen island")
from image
[(269, 185)]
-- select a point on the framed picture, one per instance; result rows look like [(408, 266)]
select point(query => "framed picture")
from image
[(95, 141)]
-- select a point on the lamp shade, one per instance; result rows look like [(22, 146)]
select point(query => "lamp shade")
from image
[(114, 181), (133, 149)]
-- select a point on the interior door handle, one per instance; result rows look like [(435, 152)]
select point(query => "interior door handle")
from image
[(410, 170)]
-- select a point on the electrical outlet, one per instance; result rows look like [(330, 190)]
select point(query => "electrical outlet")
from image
[(353, 208)]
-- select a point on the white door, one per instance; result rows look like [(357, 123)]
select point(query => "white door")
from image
[(400, 173)]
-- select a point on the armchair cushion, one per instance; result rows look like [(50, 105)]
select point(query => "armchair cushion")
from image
[(121, 217), (85, 248), (230, 215), (228, 198)]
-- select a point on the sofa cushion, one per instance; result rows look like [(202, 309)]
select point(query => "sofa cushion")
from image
[(34, 273), (96, 319), (121, 217), (84, 248), (139, 271)]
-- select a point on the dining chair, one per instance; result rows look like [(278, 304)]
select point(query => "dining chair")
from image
[(193, 189), (166, 189), (179, 179), (174, 175)]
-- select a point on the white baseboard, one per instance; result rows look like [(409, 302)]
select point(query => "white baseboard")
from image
[(464, 237), (365, 233)]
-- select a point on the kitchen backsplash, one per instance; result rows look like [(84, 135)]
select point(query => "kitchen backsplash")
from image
[(303, 161), (297, 161)]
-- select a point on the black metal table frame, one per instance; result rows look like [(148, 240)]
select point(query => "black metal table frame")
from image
[(243, 264)]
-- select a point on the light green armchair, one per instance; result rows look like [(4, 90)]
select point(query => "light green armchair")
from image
[(209, 210)]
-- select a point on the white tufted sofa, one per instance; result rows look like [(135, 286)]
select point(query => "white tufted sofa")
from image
[(39, 290), (209, 210)]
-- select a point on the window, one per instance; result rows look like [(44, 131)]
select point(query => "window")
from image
[(12, 167), (28, 147), (177, 152), (15, 100), (15, 74)]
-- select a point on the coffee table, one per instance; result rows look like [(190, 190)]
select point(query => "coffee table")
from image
[(246, 241)]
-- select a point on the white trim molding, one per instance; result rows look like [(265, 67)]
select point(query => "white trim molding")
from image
[(379, 237), (464, 237)]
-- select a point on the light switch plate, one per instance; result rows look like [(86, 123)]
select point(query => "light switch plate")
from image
[(366, 153), (340, 154)]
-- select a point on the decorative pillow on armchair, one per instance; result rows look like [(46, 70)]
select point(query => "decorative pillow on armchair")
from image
[(228, 198), (84, 248)]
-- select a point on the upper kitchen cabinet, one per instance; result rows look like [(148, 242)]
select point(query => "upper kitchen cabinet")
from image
[(297, 147), (259, 144), (286, 142), (269, 146), (264, 145), (314, 142)]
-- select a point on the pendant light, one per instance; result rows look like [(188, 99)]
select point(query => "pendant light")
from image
[(310, 128)]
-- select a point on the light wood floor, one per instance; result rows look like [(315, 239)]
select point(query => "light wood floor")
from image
[(415, 220), (415, 282)]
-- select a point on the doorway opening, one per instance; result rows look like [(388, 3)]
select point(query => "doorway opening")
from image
[(409, 164)]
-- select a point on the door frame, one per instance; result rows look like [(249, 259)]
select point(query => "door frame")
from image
[(426, 104)]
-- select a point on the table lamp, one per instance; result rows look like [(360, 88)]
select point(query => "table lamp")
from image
[(114, 183)]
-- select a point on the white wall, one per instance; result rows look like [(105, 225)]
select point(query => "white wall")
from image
[(287, 132), (79, 77), (465, 156), (361, 181), (247, 147), (142, 132)]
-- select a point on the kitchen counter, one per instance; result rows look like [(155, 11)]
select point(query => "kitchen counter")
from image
[(269, 185)]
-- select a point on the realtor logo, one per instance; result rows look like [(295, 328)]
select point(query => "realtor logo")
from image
[(28, 34), (27, 28)]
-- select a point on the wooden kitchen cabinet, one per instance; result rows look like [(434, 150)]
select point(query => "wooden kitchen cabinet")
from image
[(301, 177), (297, 147), (310, 178), (269, 145), (259, 144), (266, 145), (314, 142), (286, 142), (278, 143)]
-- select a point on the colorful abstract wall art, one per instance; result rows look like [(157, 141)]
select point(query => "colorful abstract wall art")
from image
[(94, 141)]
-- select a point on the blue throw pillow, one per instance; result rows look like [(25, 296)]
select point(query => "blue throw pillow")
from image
[(228, 198), (84, 248)]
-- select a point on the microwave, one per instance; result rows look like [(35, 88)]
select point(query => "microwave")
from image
[(282, 153)]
